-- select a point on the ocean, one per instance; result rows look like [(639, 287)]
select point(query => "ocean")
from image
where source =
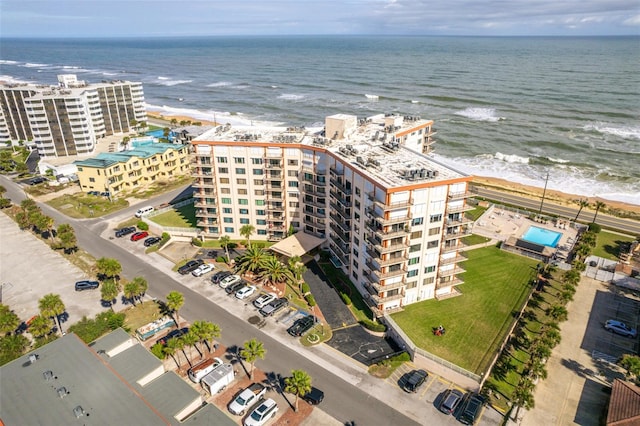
[(515, 108)]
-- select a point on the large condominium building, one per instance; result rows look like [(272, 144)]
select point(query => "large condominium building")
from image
[(391, 216), (68, 119)]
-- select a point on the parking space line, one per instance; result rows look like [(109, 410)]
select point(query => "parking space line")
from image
[(426, 388), (444, 381)]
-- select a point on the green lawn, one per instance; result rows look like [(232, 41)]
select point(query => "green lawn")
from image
[(496, 285), (182, 217), (85, 205), (473, 239), (608, 244)]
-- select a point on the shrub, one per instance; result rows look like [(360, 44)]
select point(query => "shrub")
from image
[(345, 298), (305, 288), (221, 259), (142, 225), (90, 329), (310, 300), (595, 228), (157, 350), (373, 326), (196, 242), (4, 203)]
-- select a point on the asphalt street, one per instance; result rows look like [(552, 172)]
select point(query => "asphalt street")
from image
[(344, 401)]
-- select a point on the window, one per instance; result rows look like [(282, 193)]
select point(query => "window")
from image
[(292, 162), (293, 184), (226, 200), (434, 231), (243, 201), (429, 269), (428, 281), (223, 170), (417, 221), (262, 232), (227, 210), (261, 212), (228, 230), (238, 160), (258, 182), (412, 284), (227, 220), (355, 275), (414, 248), (258, 172), (244, 221), (261, 222), (240, 181), (435, 218), (412, 273), (417, 234), (221, 159), (355, 252), (432, 244), (292, 173), (358, 191), (241, 171), (259, 202), (355, 263), (356, 241), (414, 260), (256, 161), (92, 179), (244, 211), (224, 180), (225, 191), (294, 204), (258, 192), (242, 191)]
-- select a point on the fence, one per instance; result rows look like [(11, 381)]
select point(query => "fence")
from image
[(171, 207), (173, 231)]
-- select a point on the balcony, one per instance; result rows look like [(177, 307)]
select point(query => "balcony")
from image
[(340, 233), (274, 228), (391, 206), (464, 208), (449, 283), (389, 274), (392, 233), (344, 211), (199, 172), (448, 248), (206, 213), (450, 260), (342, 187), (277, 195), (342, 200), (315, 204), (275, 208), (459, 195), (338, 254), (452, 235), (458, 221), (273, 165), (343, 248), (272, 217), (389, 221), (387, 287), (379, 299), (203, 184), (391, 247), (452, 271), (393, 260), (204, 223), (335, 171)]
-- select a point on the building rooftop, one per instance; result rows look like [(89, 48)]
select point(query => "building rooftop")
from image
[(372, 146), (143, 149)]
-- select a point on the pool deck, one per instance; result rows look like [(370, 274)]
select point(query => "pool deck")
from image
[(500, 224)]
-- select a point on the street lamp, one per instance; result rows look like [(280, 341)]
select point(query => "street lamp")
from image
[(544, 191)]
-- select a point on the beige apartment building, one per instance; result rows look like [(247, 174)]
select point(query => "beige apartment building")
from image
[(70, 118), (391, 216), (146, 163)]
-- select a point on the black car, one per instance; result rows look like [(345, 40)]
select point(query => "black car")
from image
[(471, 409), (36, 180), (173, 334), (274, 306), (301, 325), (232, 288), (190, 266), (125, 231), (219, 276), (414, 380), (151, 241), (96, 193), (87, 285), (314, 397)]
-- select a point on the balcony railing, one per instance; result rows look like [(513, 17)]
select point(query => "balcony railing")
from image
[(450, 260), (335, 171), (387, 287), (340, 233), (340, 186), (389, 274), (391, 206), (452, 271), (458, 221), (393, 260), (449, 283), (448, 248), (459, 195), (385, 235), (389, 221), (453, 235), (464, 208), (391, 247)]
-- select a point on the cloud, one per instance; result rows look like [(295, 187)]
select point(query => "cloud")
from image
[(633, 21)]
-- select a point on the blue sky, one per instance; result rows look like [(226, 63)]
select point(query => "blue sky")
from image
[(118, 18)]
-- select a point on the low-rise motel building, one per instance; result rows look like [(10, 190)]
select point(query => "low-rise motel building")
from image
[(366, 189), (147, 162)]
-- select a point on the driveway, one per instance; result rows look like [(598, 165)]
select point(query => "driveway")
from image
[(333, 308)]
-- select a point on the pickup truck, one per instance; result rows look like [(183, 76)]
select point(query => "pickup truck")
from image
[(247, 399)]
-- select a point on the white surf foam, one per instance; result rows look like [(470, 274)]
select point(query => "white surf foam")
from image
[(557, 160), (290, 97), (235, 119), (8, 62), (34, 65), (415, 102), (625, 132), (220, 84), (12, 80), (372, 97), (480, 114), (511, 158), (166, 81)]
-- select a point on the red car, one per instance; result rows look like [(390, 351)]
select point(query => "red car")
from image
[(139, 235)]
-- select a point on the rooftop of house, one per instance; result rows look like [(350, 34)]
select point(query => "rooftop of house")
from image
[(141, 149)]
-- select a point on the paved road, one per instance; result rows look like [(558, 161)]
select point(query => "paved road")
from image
[(610, 222), (345, 400)]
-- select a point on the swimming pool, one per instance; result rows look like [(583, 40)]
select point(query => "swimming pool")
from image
[(542, 236), (156, 133)]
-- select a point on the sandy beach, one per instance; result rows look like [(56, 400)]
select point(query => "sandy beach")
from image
[(166, 118)]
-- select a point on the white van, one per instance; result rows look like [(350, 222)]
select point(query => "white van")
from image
[(218, 379), (201, 369), (144, 211)]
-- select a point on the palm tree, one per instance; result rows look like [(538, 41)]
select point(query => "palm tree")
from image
[(551, 337), (131, 290), (125, 141), (571, 277), (247, 231), (274, 271), (523, 395), (557, 312), (109, 268), (189, 340), (174, 122), (252, 260), (297, 268), (40, 326), (175, 300), (589, 238), (109, 291), (251, 351), (599, 205), (205, 331), (225, 240), (13, 346), (9, 320), (172, 348), (583, 203), (28, 205), (67, 236), (298, 384), (51, 306), (2, 190)]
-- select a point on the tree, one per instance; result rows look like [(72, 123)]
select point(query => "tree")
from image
[(205, 331), (551, 337), (297, 268), (12, 347), (599, 205), (40, 326), (251, 351), (189, 340), (109, 291), (298, 384), (557, 312), (247, 231), (225, 240), (252, 260), (174, 122), (274, 271), (51, 306), (571, 276), (175, 300), (631, 363), (583, 203), (589, 238), (523, 395), (125, 142), (9, 321), (23, 220), (172, 348), (108, 268), (67, 238), (28, 205), (45, 223), (2, 190), (131, 290)]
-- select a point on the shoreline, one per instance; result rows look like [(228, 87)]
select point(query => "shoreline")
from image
[(166, 118)]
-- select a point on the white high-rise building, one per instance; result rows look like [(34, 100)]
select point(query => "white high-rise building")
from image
[(391, 216)]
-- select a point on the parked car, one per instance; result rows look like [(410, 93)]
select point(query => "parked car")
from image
[(151, 241), (231, 279), (245, 291), (274, 306), (471, 409), (301, 325), (96, 193), (247, 399), (125, 231), (264, 300), (139, 236), (232, 288), (261, 415), (37, 180), (414, 380), (450, 401), (144, 211), (179, 332), (87, 285), (190, 266), (219, 276), (202, 269), (620, 328), (314, 397)]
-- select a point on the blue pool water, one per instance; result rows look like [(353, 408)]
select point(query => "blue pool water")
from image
[(542, 236), (156, 133)]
